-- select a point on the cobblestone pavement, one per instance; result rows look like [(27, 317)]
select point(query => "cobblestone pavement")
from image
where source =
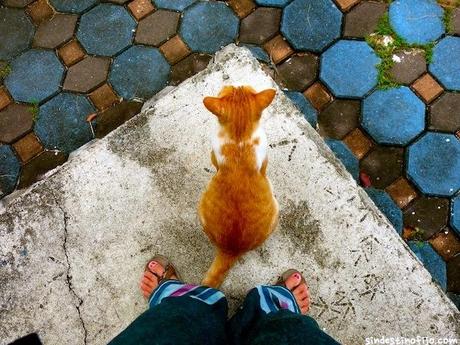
[(380, 80)]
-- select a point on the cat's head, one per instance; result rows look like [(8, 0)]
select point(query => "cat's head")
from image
[(239, 109)]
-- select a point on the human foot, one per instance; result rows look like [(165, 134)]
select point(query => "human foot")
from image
[(299, 289), (156, 270)]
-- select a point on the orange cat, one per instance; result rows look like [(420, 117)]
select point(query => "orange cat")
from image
[(237, 210)]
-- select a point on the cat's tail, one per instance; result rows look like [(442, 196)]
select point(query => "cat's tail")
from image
[(219, 269)]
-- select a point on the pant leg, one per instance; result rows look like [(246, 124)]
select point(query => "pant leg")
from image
[(179, 314), (270, 315)]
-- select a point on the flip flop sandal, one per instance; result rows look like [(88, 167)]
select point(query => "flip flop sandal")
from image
[(282, 278), (169, 269)]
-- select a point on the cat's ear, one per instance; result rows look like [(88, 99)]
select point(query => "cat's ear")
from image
[(264, 98), (213, 105)]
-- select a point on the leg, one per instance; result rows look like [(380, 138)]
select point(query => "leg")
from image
[(178, 313), (277, 315)]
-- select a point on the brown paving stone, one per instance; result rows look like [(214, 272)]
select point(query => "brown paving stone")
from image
[(445, 113), (40, 11), (56, 31), (260, 25), (189, 66), (87, 74), (362, 19), (15, 121), (278, 49), (383, 165), (5, 98), (427, 87), (104, 97), (339, 118), (28, 147), (318, 95), (17, 3), (33, 170), (345, 5), (157, 27), (141, 8), (446, 243), (299, 71), (174, 50), (402, 192), (242, 7), (113, 117), (358, 143), (453, 275), (71, 53), (455, 20), (428, 214), (412, 65)]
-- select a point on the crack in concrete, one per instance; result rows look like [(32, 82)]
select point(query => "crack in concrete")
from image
[(68, 275)]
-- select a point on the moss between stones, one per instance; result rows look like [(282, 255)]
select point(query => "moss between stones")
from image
[(5, 71), (34, 110), (447, 19), (386, 42)]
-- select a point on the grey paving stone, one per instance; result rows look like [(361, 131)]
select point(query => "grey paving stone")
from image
[(339, 118), (17, 3), (408, 66), (444, 113), (363, 18), (429, 215), (299, 71), (157, 27), (260, 25), (87, 74), (15, 121), (55, 32)]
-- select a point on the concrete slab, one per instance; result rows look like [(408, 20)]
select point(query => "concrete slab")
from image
[(73, 246)]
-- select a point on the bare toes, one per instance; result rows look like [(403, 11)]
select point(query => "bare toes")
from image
[(293, 281)]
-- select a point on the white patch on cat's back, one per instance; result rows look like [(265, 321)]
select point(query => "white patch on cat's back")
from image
[(219, 139), (261, 147)]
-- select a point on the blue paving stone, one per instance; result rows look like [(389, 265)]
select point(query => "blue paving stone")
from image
[(9, 170), (446, 62), (72, 6), (394, 116), (208, 26), (310, 113), (272, 3), (177, 5), (139, 72), (35, 75), (431, 260), (16, 32), (258, 52), (417, 21), (345, 155), (433, 164), (62, 122), (349, 68), (311, 25), (388, 207), (455, 214), (106, 30)]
